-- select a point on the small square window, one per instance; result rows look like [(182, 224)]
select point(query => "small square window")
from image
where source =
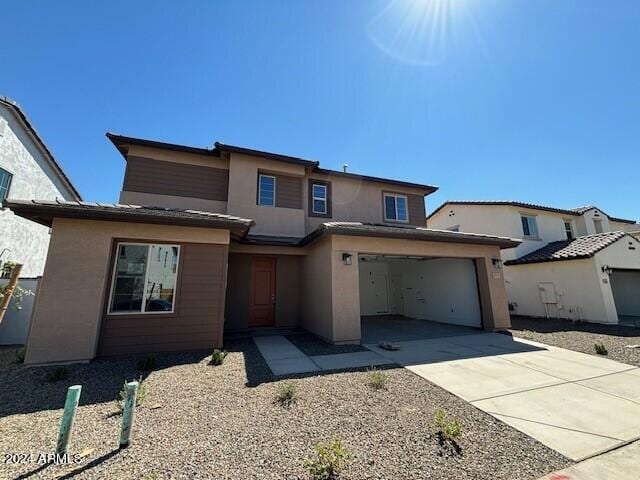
[(5, 183), (267, 190), (395, 208)]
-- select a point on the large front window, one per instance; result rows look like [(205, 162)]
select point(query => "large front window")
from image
[(144, 278), (5, 183), (395, 208)]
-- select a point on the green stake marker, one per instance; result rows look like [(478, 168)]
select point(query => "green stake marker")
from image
[(69, 415), (128, 414)]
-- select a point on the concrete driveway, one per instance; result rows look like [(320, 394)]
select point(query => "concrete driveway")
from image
[(577, 404)]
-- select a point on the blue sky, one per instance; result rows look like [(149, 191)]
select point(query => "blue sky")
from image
[(532, 100)]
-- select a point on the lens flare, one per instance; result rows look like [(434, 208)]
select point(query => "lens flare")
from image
[(418, 32)]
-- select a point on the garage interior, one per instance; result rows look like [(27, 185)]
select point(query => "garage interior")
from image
[(410, 297), (625, 285)]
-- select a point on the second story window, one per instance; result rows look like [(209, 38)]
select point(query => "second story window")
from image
[(597, 225), (5, 183), (395, 208), (568, 228), (267, 190), (529, 226), (319, 200)]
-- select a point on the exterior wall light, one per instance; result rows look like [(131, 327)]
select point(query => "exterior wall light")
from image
[(347, 258), (497, 262), (607, 269)]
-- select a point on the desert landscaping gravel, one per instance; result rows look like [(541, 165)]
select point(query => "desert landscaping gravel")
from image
[(581, 337), (206, 422)]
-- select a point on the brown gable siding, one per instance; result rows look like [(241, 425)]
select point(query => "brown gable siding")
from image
[(417, 214), (198, 318), (167, 178), (288, 191)]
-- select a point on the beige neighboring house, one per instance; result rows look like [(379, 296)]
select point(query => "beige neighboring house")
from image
[(28, 170), (206, 241), (580, 264)]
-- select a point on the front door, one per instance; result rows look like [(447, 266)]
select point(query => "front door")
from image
[(262, 300)]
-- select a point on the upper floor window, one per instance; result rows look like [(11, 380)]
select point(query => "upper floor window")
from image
[(144, 278), (529, 226), (597, 224), (395, 207), (5, 183), (568, 228), (267, 190), (319, 198)]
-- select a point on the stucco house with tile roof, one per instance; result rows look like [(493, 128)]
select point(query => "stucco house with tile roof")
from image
[(580, 263), (28, 170), (205, 242)]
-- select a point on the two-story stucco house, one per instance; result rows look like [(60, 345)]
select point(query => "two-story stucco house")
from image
[(28, 170), (210, 240), (580, 264)]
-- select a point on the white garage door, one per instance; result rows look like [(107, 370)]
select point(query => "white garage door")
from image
[(625, 285)]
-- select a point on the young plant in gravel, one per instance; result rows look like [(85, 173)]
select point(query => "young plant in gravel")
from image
[(600, 349), (448, 431), (147, 364), (329, 460), (141, 395), (57, 374), (287, 395), (217, 357), (20, 353), (377, 379)]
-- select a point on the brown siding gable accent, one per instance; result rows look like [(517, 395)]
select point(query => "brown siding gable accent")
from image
[(313, 181), (147, 175)]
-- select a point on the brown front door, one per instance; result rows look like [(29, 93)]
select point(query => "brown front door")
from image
[(262, 300)]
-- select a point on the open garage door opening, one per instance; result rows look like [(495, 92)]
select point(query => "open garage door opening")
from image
[(625, 285), (405, 298)]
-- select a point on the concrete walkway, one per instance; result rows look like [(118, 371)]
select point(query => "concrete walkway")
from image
[(578, 404), (284, 358), (620, 464)]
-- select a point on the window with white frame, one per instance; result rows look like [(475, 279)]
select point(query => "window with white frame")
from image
[(395, 208), (144, 278), (529, 226), (5, 183), (319, 198), (267, 190), (568, 229)]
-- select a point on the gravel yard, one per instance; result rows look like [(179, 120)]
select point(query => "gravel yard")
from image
[(581, 337), (201, 421)]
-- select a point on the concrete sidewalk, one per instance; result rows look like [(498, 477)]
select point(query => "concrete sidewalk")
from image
[(284, 358), (578, 404), (620, 464)]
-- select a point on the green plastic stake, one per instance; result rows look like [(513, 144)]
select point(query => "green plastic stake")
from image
[(128, 414), (69, 415)]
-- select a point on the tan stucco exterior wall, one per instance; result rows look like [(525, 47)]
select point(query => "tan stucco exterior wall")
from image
[(317, 297), (172, 201), (66, 320)]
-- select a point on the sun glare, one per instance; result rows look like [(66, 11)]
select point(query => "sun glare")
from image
[(418, 32)]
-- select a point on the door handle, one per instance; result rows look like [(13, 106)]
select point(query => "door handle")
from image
[(273, 299)]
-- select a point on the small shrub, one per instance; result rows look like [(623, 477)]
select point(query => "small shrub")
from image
[(329, 460), (377, 379), (57, 374), (141, 396), (147, 363), (287, 394), (600, 349), (217, 357), (20, 353), (448, 429)]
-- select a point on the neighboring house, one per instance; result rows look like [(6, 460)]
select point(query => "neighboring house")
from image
[(232, 239), (28, 170), (580, 264)]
